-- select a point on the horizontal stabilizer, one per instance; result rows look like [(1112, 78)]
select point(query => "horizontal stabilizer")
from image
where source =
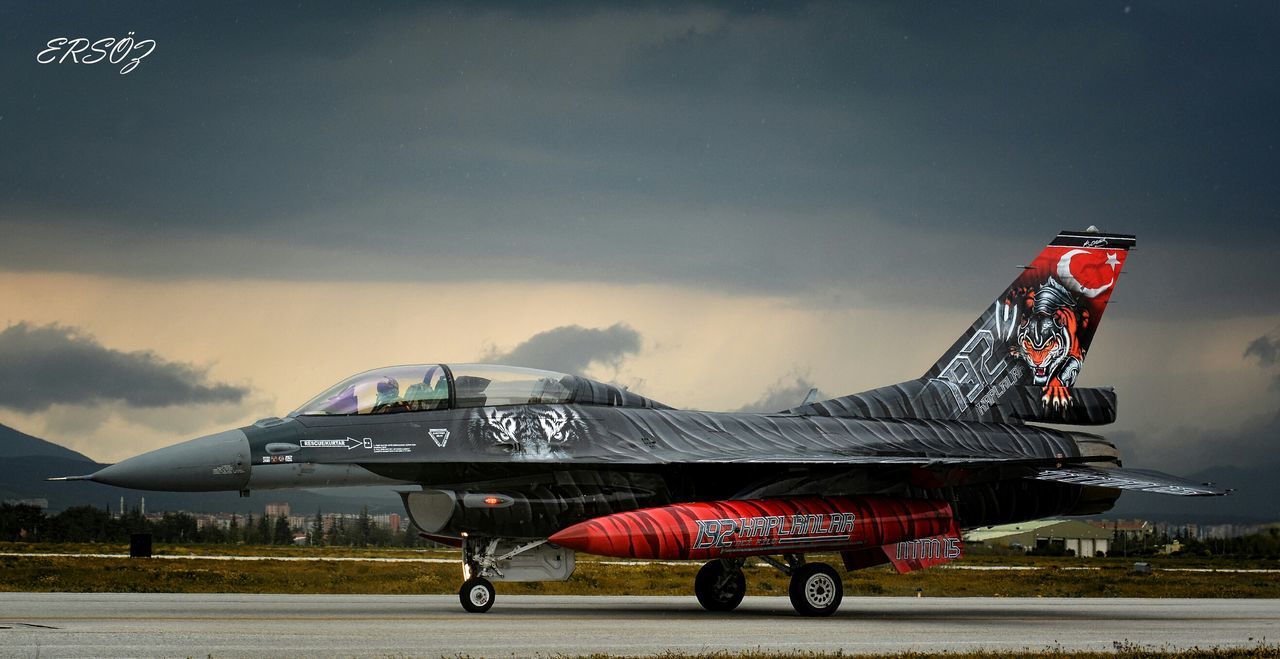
[(1130, 479), (1080, 406)]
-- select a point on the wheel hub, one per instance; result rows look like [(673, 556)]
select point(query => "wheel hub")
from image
[(819, 590)]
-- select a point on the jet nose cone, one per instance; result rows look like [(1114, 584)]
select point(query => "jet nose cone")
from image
[(211, 463)]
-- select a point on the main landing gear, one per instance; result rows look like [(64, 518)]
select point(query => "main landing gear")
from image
[(720, 585), (815, 588)]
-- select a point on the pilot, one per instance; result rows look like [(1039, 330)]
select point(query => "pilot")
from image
[(388, 397)]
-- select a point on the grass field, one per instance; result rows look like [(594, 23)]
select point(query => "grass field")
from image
[(1122, 651), (1036, 576)]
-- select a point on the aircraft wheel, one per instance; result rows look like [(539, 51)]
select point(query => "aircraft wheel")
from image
[(816, 589), (476, 595), (719, 588)]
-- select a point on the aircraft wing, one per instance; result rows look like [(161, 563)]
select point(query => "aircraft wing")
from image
[(1141, 480), (916, 460), (1074, 471)]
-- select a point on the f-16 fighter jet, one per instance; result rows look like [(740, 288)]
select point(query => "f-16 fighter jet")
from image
[(521, 468)]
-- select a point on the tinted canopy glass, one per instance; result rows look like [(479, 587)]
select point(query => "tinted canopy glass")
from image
[(384, 390), (477, 385)]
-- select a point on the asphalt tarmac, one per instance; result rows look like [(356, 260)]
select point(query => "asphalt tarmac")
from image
[(229, 625)]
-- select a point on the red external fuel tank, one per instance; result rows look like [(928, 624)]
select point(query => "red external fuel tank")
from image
[(726, 529)]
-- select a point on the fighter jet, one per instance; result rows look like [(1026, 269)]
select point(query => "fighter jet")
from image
[(521, 468)]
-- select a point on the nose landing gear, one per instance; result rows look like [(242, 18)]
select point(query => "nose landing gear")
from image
[(486, 560)]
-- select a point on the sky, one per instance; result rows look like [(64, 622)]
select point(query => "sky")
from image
[(717, 205)]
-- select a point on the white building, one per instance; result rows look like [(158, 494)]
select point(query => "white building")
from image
[(1071, 536)]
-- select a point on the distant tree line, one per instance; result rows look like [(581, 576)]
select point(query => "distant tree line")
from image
[(24, 523), (359, 532), (1261, 545)]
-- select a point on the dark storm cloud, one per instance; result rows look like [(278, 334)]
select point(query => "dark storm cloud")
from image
[(1188, 449), (1250, 443), (1265, 348), (572, 348), (786, 393), (782, 149), (53, 364)]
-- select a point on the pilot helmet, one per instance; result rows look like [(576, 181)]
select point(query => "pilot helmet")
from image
[(388, 390)]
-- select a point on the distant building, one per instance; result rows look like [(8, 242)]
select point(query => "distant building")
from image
[(277, 509), (220, 521), (393, 521), (387, 521), (1222, 531), (1130, 528), (1069, 536)]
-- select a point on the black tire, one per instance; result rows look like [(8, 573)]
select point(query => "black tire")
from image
[(719, 588), (476, 595), (816, 589)]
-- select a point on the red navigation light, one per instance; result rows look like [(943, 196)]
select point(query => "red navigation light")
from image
[(492, 501)]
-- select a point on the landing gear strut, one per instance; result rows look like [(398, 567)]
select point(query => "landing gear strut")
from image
[(720, 585)]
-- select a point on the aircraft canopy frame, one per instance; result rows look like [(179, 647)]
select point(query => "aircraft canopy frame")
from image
[(431, 387)]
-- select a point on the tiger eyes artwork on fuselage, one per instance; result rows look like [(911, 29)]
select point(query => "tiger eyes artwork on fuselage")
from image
[(527, 432)]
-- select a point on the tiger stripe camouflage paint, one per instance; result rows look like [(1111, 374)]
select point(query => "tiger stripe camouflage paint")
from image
[(723, 529), (963, 433)]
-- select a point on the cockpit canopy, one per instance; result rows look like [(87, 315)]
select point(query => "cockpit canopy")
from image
[(427, 387)]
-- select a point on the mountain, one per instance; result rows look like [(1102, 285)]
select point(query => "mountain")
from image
[(15, 444), (26, 462)]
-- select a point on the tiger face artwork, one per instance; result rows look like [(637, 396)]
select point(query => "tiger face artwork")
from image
[(527, 433), (1047, 339)]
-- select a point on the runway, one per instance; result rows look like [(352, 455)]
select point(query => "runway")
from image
[(222, 625)]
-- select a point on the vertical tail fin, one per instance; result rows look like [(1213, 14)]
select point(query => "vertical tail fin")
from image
[(1029, 344)]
